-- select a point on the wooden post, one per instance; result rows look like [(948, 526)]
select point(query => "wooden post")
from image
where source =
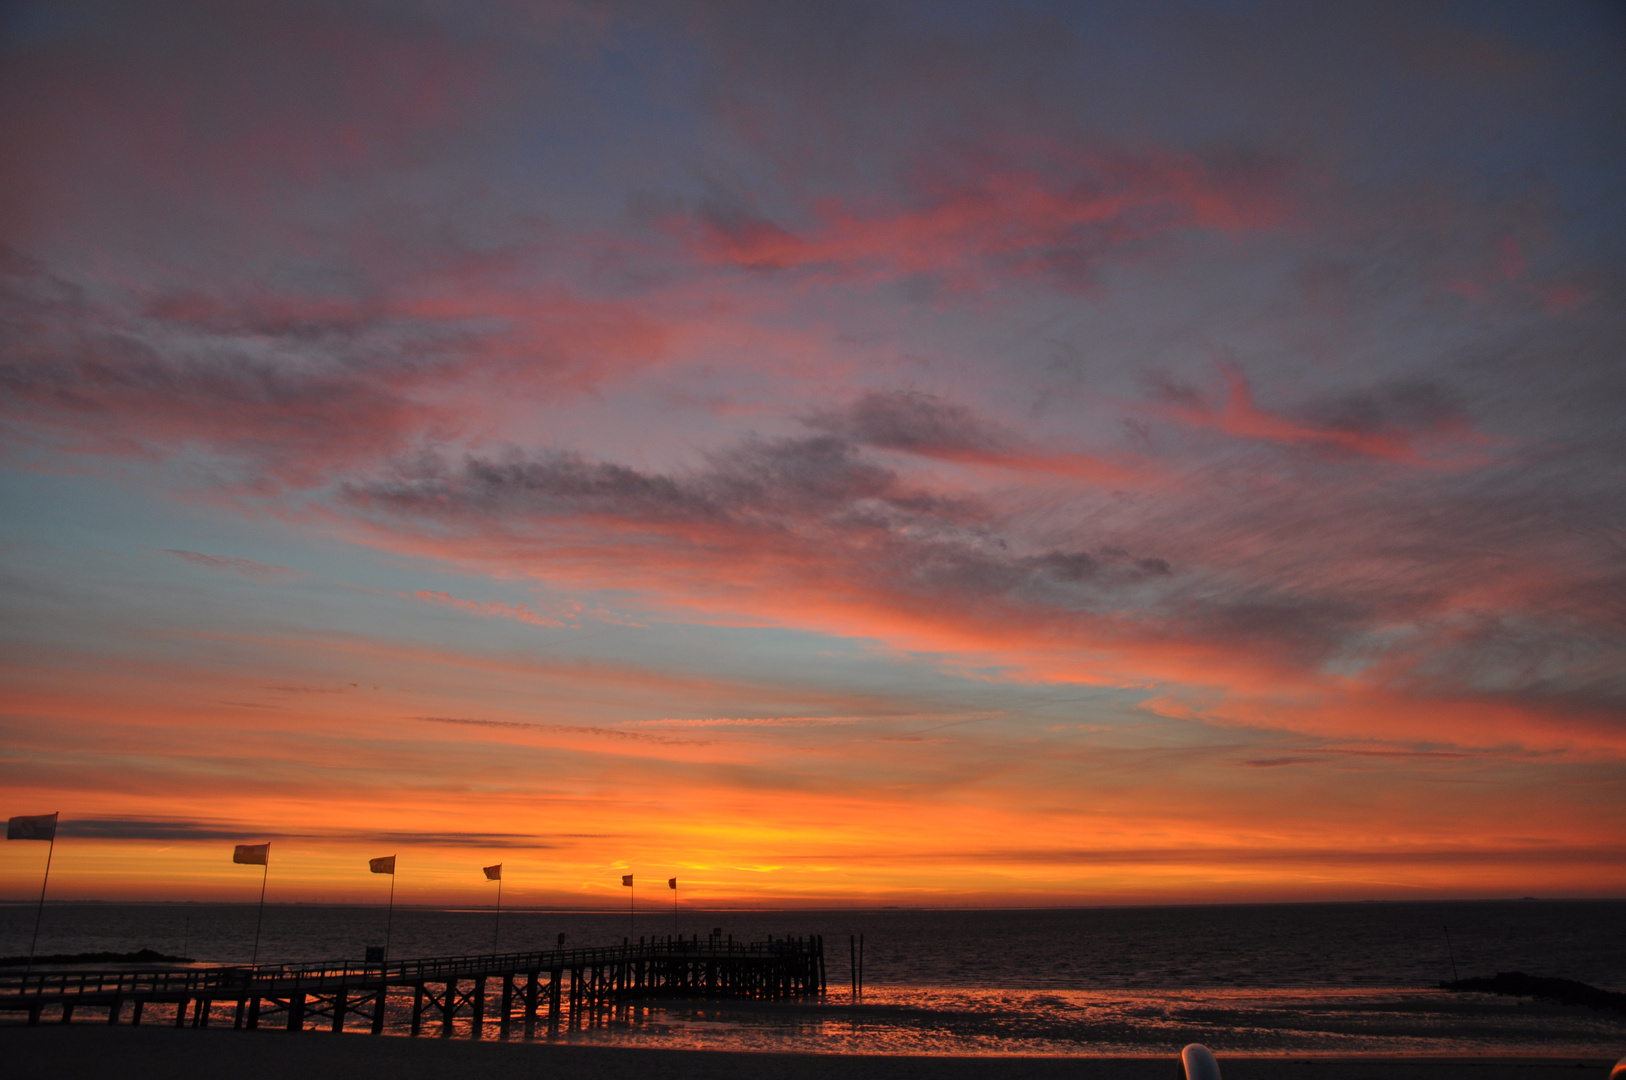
[(200, 1016), (507, 1004), (253, 1011), (67, 1012), (417, 1007), (113, 1010), (531, 990), (479, 1006), (341, 998), (296, 1011), (378, 1008), (180, 1013), (447, 1007)]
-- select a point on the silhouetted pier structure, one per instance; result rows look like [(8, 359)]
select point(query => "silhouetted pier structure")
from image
[(552, 987)]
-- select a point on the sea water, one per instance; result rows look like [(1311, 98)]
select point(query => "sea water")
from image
[(1255, 979)]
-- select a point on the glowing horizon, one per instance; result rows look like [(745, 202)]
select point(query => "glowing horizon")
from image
[(1010, 456)]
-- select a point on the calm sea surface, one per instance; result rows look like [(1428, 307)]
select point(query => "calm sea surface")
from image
[(1310, 978)]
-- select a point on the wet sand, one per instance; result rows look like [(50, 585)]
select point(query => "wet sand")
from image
[(154, 1053)]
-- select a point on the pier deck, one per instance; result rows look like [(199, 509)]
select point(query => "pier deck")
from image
[(552, 987)]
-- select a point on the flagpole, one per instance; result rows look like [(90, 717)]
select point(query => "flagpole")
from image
[(496, 929), (39, 911), (632, 911), (260, 921), (389, 920)]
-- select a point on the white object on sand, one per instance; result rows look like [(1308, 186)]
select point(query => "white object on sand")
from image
[(1199, 1063)]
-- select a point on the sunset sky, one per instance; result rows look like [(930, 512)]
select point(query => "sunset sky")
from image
[(952, 453)]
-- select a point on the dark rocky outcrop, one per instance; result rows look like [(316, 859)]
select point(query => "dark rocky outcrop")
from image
[(1562, 991)]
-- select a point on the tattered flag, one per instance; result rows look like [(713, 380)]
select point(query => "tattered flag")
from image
[(493, 873), (671, 883), (385, 865), (626, 879)]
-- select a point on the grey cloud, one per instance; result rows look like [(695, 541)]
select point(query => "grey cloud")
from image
[(912, 421), (815, 499), (760, 482), (70, 365), (1410, 405), (1166, 389), (150, 829), (172, 830), (1074, 566), (291, 387), (1304, 625)]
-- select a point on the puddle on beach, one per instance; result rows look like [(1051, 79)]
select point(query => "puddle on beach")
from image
[(1069, 1023)]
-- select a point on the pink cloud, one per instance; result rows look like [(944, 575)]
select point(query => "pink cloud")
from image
[(1565, 299), (1051, 217), (1510, 276), (1512, 261)]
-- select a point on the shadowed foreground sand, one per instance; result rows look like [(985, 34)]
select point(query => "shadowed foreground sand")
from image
[(56, 1053)]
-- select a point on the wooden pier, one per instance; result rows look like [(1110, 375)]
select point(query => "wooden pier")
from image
[(552, 987)]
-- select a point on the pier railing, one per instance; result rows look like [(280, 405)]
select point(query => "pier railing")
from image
[(405, 972)]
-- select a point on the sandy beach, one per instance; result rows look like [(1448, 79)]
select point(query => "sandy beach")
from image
[(56, 1053)]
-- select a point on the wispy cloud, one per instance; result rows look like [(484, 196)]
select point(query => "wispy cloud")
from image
[(566, 729), (495, 609), (266, 573)]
